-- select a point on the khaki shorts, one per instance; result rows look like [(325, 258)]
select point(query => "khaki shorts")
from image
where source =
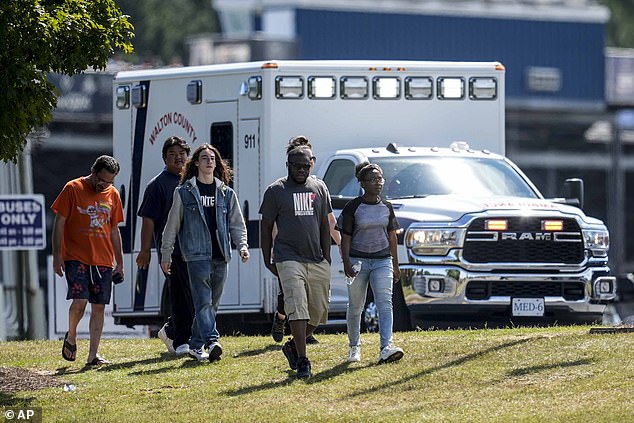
[(306, 289)]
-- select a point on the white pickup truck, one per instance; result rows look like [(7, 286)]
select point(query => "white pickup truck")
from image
[(480, 242)]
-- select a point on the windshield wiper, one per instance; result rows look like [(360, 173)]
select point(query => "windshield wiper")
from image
[(404, 197)]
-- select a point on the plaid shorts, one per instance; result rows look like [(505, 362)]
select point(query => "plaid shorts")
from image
[(92, 283)]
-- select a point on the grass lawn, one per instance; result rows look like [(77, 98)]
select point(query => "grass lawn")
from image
[(520, 374)]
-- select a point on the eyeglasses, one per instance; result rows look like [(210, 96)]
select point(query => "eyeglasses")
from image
[(300, 166), (378, 179)]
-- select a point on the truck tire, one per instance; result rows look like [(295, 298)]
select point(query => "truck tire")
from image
[(402, 320)]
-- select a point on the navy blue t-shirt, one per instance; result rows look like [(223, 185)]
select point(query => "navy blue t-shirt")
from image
[(156, 204)]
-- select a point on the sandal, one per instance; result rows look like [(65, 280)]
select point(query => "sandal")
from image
[(98, 361), (69, 350)]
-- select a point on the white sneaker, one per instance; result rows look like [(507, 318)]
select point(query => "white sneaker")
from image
[(354, 354), (390, 353), (214, 351), (182, 349), (169, 343), (199, 354)]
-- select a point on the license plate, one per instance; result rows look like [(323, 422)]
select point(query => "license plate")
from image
[(527, 306)]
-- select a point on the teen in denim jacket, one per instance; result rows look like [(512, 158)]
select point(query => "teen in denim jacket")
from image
[(206, 216)]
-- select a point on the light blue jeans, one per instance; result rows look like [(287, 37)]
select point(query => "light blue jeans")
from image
[(207, 280), (379, 274)]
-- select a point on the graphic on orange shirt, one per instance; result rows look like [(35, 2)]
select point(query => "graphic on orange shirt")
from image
[(99, 214)]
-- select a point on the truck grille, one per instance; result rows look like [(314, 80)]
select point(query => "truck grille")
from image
[(483, 290), (531, 244)]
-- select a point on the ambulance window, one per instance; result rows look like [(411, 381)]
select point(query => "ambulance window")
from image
[(340, 179), (419, 88), (483, 88), (450, 88), (321, 87), (386, 88), (291, 87), (123, 97), (352, 87), (222, 138)]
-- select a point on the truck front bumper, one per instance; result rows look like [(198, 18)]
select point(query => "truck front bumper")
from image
[(452, 292)]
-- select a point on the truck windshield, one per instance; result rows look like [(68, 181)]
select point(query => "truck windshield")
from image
[(468, 176)]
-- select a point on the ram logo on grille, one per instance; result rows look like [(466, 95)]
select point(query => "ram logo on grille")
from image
[(523, 236), (526, 236)]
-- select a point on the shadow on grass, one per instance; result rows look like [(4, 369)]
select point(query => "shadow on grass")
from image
[(292, 377), (118, 366), (252, 353), (7, 399), (535, 369), (457, 362)]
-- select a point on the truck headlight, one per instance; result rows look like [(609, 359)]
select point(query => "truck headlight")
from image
[(597, 241), (432, 241)]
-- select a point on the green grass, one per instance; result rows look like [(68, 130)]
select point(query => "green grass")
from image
[(521, 374)]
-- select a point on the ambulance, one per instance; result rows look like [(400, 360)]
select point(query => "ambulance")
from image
[(351, 111)]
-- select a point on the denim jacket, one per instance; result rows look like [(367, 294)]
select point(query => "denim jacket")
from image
[(187, 220)]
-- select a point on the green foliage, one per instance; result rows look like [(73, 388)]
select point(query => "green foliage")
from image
[(620, 31), (41, 36), (162, 26)]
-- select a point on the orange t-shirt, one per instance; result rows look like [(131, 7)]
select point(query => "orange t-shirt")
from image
[(90, 216)]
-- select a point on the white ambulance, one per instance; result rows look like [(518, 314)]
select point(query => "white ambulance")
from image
[(249, 111)]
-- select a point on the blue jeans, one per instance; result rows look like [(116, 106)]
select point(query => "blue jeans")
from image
[(379, 274), (207, 280)]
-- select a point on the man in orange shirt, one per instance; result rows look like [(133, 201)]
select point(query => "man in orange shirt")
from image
[(86, 244)]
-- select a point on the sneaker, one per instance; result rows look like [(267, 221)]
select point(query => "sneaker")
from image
[(166, 340), (277, 331), (390, 353), (290, 351), (311, 340), (354, 354), (182, 349), (215, 351), (198, 353), (303, 368)]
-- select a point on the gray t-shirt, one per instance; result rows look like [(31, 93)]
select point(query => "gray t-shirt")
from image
[(297, 211), (368, 224)]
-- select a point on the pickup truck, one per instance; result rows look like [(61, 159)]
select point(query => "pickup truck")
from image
[(478, 241)]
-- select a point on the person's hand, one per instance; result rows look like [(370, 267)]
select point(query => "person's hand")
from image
[(347, 269), (397, 274), (272, 268), (143, 259), (118, 269), (244, 255), (165, 266), (58, 264)]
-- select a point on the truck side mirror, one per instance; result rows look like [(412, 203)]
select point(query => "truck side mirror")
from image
[(573, 192)]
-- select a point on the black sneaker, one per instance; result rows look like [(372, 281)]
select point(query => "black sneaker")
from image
[(311, 340), (215, 351), (290, 351), (277, 331), (303, 368)]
